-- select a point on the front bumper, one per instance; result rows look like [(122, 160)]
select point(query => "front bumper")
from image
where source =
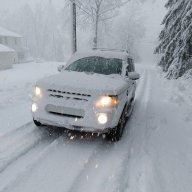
[(89, 123), (73, 127)]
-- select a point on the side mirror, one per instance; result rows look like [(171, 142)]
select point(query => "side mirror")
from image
[(134, 76), (60, 68)]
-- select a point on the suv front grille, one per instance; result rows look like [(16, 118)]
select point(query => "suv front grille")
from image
[(66, 115), (65, 111), (68, 95)]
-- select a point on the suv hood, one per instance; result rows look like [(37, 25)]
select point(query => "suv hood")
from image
[(81, 82)]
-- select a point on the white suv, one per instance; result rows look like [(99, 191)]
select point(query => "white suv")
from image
[(93, 93)]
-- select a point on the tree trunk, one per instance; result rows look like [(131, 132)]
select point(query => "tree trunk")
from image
[(95, 41)]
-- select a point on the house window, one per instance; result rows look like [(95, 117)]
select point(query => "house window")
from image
[(1, 41), (15, 41)]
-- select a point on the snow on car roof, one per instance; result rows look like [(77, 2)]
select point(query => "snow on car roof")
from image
[(3, 48), (105, 54), (6, 33)]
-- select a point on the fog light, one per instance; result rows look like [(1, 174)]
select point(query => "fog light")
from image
[(102, 118), (34, 107)]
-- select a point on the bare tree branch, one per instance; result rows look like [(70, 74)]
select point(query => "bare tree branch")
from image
[(98, 11), (82, 8), (112, 8)]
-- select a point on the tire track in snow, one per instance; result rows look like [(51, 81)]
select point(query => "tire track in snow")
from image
[(17, 143), (15, 136), (90, 163), (158, 181), (150, 176), (15, 131), (12, 154), (25, 170), (65, 144), (141, 94), (138, 172)]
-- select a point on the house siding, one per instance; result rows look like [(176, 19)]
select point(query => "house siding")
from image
[(7, 59), (15, 42)]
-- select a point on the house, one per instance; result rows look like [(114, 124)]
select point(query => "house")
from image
[(15, 42), (8, 57)]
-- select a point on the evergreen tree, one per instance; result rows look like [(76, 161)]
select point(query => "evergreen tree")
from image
[(176, 39)]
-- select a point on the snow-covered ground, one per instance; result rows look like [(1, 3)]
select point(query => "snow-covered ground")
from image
[(155, 153)]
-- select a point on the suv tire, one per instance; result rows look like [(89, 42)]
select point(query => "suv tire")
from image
[(116, 133), (37, 123)]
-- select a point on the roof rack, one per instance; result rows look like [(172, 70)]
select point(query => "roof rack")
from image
[(108, 49)]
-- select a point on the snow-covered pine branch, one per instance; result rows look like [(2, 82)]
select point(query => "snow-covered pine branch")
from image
[(176, 39)]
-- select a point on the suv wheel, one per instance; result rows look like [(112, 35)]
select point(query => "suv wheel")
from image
[(37, 123), (116, 133), (130, 109)]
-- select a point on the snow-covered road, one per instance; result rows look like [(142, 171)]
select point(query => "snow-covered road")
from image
[(155, 153)]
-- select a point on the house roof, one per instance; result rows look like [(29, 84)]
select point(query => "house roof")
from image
[(6, 33), (3, 48)]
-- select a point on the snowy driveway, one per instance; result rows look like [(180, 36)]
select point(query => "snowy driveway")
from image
[(155, 153)]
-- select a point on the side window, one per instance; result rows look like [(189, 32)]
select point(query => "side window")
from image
[(130, 67), (6, 41), (133, 66)]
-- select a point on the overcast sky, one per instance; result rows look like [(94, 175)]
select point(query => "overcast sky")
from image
[(14, 4)]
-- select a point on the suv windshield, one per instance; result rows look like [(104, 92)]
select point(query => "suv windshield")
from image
[(98, 65)]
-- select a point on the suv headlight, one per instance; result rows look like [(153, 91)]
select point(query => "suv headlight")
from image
[(107, 101), (38, 91)]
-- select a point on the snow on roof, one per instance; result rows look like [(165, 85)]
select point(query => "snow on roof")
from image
[(6, 33), (3, 48), (105, 54)]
